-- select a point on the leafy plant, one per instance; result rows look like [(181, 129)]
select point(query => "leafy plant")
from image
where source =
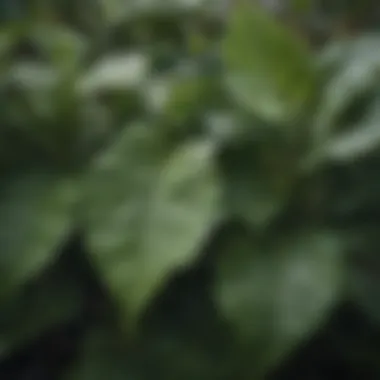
[(194, 191)]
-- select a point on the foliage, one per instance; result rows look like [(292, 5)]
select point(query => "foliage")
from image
[(191, 187)]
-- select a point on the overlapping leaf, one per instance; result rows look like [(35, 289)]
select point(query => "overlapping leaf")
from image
[(274, 295), (36, 213)]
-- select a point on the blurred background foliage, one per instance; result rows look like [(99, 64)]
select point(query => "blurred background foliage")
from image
[(188, 189)]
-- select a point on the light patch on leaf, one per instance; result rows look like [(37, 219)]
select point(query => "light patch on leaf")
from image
[(121, 72)]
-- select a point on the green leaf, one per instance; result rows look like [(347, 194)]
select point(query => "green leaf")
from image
[(149, 210), (268, 70), (363, 140), (64, 47), (359, 142), (356, 73), (36, 94), (53, 300), (35, 215), (43, 109), (276, 294), (192, 96)]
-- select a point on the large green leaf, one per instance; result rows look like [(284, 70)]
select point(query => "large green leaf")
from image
[(268, 69), (35, 215), (276, 294), (149, 210)]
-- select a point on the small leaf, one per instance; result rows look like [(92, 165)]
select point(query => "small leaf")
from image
[(35, 215), (36, 93), (360, 141), (149, 210), (358, 70), (268, 70), (357, 143), (276, 294)]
